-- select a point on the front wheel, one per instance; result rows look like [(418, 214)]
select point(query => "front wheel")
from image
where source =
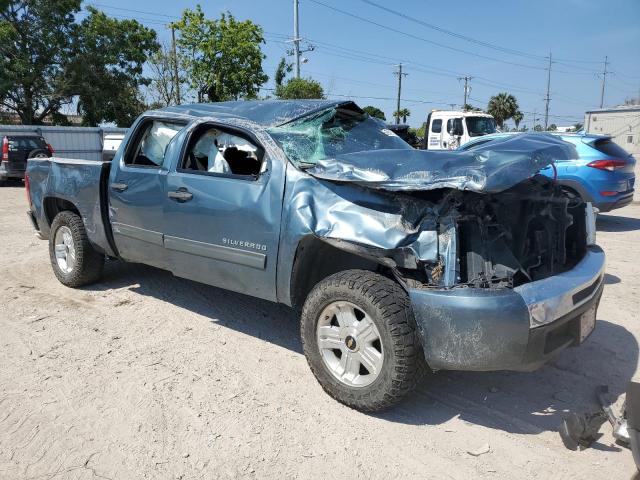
[(358, 334), (74, 260)]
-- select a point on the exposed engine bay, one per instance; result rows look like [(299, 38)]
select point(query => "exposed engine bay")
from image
[(526, 233)]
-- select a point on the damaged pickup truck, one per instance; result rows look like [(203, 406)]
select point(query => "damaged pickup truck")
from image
[(397, 259)]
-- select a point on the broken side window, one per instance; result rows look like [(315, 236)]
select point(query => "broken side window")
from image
[(214, 150), (333, 132)]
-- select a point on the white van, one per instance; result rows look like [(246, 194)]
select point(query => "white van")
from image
[(110, 143), (448, 129)]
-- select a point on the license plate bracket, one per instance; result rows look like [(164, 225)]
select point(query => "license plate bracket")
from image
[(588, 322)]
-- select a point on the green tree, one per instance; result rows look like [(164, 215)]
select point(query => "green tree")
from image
[(223, 57), (502, 107), (538, 128), (402, 113), (578, 126), (374, 112), (36, 37), (106, 68), (517, 118), (300, 88), (281, 72), (552, 128), (48, 60)]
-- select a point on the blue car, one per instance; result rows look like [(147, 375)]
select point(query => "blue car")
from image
[(603, 173)]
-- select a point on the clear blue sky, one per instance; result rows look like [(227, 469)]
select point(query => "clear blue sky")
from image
[(356, 58)]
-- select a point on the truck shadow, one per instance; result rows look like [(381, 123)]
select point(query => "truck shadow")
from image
[(528, 403), (272, 322), (615, 223)]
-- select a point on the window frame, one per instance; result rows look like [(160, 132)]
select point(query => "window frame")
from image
[(245, 134), (433, 124), (136, 138)]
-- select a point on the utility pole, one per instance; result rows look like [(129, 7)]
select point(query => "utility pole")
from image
[(535, 118), (296, 38), (400, 74), (175, 63), (604, 80), (467, 89), (547, 98)]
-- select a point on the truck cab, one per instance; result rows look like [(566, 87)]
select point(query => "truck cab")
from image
[(448, 130)]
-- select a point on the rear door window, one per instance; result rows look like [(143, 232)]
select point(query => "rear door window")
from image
[(610, 148), (25, 143), (150, 143), (436, 126)]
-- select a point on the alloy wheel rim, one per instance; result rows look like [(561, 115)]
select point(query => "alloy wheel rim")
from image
[(349, 344), (64, 249)]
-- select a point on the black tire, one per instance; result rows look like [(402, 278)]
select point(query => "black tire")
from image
[(388, 306), (88, 262)]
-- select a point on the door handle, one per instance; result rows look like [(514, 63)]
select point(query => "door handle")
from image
[(181, 195), (119, 187)]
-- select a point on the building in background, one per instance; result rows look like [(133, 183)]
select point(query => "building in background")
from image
[(621, 123)]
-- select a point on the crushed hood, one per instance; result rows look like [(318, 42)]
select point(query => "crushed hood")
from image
[(493, 167)]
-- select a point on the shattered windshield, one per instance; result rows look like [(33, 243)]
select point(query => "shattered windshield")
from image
[(478, 126), (333, 132)]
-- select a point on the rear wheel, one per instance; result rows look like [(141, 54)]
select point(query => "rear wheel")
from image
[(74, 260), (358, 335)]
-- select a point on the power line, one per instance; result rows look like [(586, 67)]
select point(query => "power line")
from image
[(547, 98), (416, 37)]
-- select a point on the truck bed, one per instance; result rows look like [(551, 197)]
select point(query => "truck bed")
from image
[(54, 181)]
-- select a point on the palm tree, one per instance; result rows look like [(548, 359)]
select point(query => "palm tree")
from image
[(517, 118), (502, 107), (402, 113)]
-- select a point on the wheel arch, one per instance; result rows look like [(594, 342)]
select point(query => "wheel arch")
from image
[(52, 206), (316, 259)]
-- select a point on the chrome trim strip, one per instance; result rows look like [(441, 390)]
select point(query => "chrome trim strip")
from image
[(217, 252), (137, 233), (552, 298)]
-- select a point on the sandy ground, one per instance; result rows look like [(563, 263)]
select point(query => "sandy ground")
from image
[(149, 376)]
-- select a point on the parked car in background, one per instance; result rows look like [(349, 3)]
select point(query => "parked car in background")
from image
[(449, 129), (16, 149), (603, 173), (110, 144)]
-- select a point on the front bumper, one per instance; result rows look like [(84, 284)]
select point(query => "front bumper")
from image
[(508, 329)]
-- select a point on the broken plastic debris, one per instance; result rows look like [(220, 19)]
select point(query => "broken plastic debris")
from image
[(486, 448)]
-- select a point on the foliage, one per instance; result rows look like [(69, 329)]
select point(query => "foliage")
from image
[(420, 132), (36, 37), (222, 58), (538, 128), (577, 127), (470, 108), (517, 118), (552, 128), (48, 60), (300, 88), (375, 112), (502, 107), (281, 72), (106, 68), (402, 113), (164, 87)]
